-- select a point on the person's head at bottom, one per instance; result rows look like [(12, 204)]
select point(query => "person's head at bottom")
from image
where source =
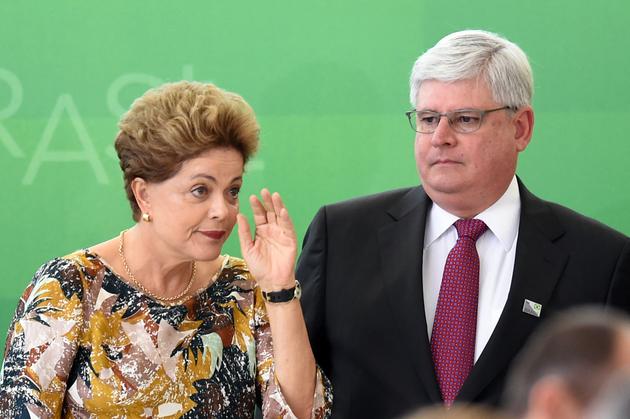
[(458, 411), (567, 363)]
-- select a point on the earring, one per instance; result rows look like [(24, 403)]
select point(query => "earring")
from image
[(146, 217)]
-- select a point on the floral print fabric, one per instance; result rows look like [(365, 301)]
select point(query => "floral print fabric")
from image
[(84, 343)]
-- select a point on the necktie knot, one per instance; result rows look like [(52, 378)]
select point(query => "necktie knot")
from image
[(471, 228)]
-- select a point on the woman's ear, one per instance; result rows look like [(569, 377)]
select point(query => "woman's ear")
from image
[(140, 190)]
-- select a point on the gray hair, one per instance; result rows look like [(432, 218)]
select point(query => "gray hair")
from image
[(470, 54)]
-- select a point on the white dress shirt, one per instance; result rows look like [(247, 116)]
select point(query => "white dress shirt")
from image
[(496, 248)]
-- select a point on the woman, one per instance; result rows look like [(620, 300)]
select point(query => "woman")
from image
[(156, 322)]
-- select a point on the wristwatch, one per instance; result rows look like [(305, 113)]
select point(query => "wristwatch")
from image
[(283, 296)]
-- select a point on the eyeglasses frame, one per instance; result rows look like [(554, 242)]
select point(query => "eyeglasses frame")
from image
[(448, 115)]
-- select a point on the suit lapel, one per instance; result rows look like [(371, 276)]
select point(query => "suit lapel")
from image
[(401, 243), (537, 267)]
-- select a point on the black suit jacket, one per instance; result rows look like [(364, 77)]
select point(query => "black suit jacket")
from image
[(361, 275)]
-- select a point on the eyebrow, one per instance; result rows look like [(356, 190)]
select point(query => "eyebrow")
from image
[(212, 178), (454, 110)]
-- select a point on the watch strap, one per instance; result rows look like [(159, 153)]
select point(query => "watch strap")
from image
[(285, 295)]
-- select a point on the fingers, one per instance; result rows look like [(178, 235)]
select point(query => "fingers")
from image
[(282, 213), (271, 210), (258, 210), (244, 234), (269, 205), (277, 202)]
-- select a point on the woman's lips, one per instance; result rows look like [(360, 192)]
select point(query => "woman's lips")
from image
[(214, 234)]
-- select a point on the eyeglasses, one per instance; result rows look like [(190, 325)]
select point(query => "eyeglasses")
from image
[(463, 121)]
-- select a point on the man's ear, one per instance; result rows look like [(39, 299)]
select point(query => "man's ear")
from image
[(140, 190), (551, 398), (523, 127)]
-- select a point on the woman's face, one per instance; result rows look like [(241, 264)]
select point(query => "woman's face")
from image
[(193, 212)]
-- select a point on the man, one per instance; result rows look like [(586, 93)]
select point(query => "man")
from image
[(401, 311), (565, 369)]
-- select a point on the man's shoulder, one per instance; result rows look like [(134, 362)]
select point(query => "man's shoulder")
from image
[(378, 201), (570, 221), (573, 220)]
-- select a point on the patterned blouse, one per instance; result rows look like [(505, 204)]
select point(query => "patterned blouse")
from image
[(84, 343)]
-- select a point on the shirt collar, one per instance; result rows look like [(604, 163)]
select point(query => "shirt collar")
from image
[(502, 218)]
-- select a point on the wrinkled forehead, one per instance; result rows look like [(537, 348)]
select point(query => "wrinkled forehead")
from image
[(445, 96)]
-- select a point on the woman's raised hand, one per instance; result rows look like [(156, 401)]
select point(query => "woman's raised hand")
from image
[(271, 254)]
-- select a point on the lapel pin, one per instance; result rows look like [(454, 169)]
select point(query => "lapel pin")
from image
[(531, 307)]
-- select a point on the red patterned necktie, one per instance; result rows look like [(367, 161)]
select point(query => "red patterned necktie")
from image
[(455, 323)]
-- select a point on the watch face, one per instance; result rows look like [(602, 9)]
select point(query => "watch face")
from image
[(297, 294)]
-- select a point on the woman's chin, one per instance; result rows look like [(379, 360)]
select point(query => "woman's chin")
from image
[(208, 255)]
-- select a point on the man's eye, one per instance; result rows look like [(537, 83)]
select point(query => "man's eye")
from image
[(467, 119), (428, 119)]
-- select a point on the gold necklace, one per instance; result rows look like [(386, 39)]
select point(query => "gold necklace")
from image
[(175, 298)]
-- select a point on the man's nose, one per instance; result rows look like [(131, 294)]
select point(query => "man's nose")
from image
[(443, 134)]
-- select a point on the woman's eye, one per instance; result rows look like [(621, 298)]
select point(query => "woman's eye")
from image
[(234, 192), (199, 191)]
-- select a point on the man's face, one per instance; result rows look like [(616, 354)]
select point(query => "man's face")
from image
[(466, 173)]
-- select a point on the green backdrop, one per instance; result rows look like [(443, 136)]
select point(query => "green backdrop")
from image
[(329, 82)]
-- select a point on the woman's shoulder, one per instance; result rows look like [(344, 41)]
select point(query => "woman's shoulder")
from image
[(87, 263), (73, 271), (81, 258)]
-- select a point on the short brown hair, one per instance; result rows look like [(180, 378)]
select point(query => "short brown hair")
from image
[(578, 346), (176, 122)]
